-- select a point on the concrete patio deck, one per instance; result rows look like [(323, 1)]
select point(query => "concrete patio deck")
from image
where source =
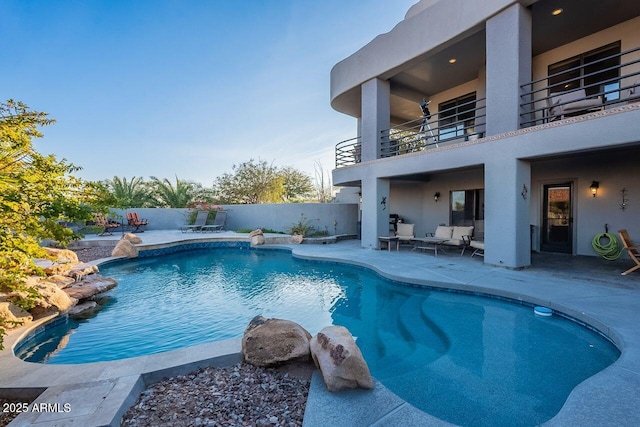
[(588, 289)]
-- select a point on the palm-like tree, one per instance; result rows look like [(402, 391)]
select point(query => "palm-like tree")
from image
[(129, 194), (166, 195)]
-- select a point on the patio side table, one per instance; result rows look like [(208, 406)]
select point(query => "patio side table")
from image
[(388, 240)]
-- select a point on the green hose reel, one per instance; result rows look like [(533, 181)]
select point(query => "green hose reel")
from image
[(611, 249)]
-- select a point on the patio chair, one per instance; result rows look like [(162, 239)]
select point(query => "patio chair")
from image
[(201, 219), (476, 242), (458, 236), (134, 221), (405, 232), (633, 250), (218, 222), (571, 103), (106, 224), (478, 246)]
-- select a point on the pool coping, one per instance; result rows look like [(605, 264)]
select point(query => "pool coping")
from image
[(608, 398)]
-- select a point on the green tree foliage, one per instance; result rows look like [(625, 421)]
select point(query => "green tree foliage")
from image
[(37, 192), (256, 182), (181, 195), (296, 185), (129, 194)]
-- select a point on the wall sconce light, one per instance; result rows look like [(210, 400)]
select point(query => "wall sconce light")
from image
[(436, 196), (594, 188), (524, 191)]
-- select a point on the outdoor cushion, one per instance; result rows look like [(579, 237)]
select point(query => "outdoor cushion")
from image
[(405, 231), (572, 101), (443, 232), (458, 232)]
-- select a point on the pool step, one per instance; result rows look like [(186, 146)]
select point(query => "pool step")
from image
[(416, 342)]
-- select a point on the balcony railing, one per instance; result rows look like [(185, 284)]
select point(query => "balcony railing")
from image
[(542, 101), (348, 152), (460, 123), (593, 86)]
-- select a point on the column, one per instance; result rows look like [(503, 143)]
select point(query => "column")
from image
[(375, 211), (508, 67), (507, 213), (376, 115)]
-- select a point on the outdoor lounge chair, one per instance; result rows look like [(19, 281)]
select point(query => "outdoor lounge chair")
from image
[(201, 219), (571, 102), (106, 224), (405, 232), (477, 241), (478, 246), (135, 221), (218, 222), (633, 250), (458, 236)]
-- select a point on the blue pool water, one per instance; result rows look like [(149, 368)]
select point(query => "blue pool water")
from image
[(466, 359)]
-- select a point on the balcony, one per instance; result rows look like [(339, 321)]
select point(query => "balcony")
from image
[(348, 152), (461, 122), (604, 83), (608, 81)]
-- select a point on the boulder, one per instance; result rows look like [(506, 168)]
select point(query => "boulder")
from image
[(62, 256), (60, 280), (272, 342), (59, 261), (132, 238), (256, 232), (13, 315), (84, 310), (79, 271), (297, 239), (257, 240), (340, 360), (125, 248), (90, 286), (52, 298)]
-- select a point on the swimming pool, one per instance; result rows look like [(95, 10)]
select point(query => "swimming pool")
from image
[(465, 359)]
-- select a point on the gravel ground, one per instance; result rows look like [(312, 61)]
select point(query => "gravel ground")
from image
[(240, 395), (97, 252)]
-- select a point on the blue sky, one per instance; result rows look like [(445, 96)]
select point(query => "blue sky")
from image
[(185, 88)]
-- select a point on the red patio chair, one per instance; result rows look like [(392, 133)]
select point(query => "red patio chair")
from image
[(134, 221)]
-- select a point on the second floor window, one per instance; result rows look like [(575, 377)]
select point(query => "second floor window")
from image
[(597, 71), (456, 117)]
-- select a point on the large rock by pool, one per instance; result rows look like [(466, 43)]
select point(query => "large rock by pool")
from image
[(271, 342), (335, 352)]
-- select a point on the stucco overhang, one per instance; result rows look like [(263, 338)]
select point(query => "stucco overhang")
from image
[(414, 55), (426, 30)]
